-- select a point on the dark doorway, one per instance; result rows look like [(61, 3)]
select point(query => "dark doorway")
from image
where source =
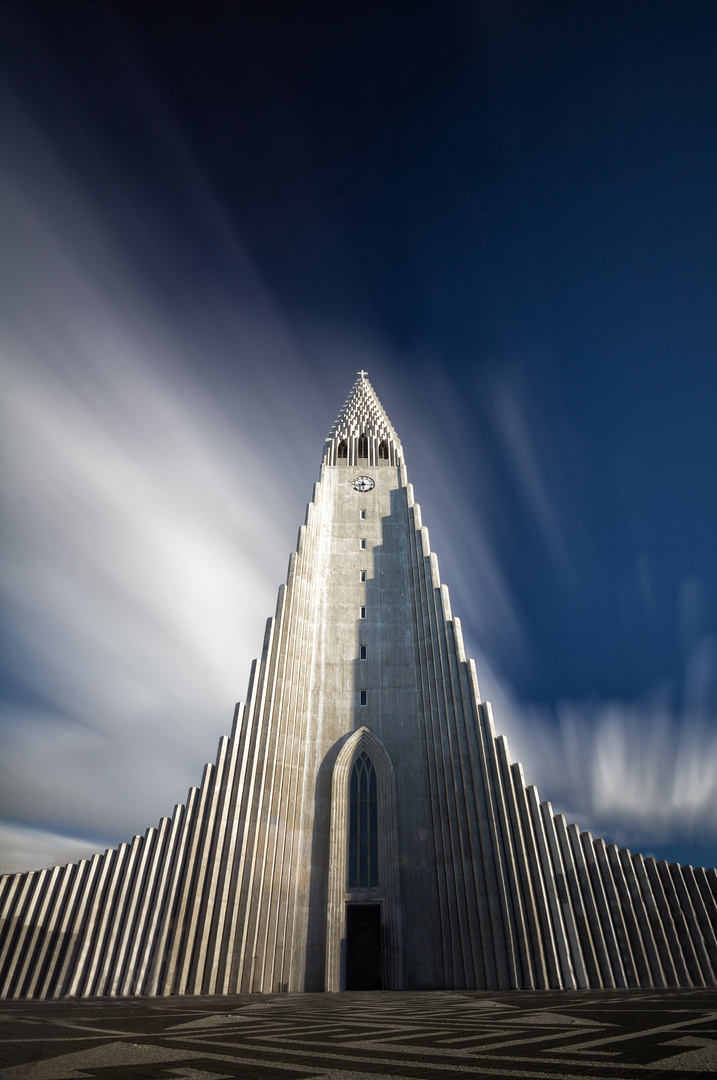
[(363, 947)]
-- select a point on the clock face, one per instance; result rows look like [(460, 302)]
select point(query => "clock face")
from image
[(363, 483)]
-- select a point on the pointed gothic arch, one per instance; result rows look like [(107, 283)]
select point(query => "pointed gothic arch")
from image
[(362, 450), (387, 892), (342, 450), (383, 450)]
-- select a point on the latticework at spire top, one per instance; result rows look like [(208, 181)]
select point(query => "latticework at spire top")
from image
[(362, 430)]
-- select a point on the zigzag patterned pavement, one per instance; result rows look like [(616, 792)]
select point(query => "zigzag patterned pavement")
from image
[(611, 1035)]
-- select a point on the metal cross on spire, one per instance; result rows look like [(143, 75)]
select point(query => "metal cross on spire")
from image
[(362, 373)]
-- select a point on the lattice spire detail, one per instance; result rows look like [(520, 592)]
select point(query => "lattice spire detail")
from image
[(363, 414)]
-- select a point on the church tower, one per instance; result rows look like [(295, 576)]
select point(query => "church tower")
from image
[(363, 827)]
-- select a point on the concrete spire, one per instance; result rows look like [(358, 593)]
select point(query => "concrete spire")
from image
[(269, 878), (363, 412), (362, 415)]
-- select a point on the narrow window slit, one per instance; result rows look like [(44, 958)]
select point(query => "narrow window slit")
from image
[(363, 825)]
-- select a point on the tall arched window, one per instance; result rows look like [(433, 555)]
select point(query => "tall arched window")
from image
[(341, 452), (363, 446), (363, 826), (383, 450)]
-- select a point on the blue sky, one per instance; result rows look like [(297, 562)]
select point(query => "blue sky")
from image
[(212, 217)]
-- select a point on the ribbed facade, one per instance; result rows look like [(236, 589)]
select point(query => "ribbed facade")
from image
[(246, 887)]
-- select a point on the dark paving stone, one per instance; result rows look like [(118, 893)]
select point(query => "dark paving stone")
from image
[(210, 1065), (621, 1035), (14, 1052)]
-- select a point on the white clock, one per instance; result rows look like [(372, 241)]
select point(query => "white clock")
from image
[(363, 483)]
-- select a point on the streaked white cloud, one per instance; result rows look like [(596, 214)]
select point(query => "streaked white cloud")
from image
[(23, 848), (642, 772), (154, 483), (521, 434), (147, 518)]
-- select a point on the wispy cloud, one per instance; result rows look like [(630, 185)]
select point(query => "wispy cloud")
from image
[(520, 431), (157, 464), (23, 848), (147, 515), (643, 772)]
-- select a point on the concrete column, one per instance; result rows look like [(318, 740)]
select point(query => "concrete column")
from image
[(507, 959), (673, 941), (561, 940), (290, 900), (70, 971), (703, 920), (681, 925), (578, 907), (217, 963), (708, 897), (618, 918), (50, 918), (462, 708), (268, 906), (220, 866), (642, 968), (591, 909), (114, 957), (174, 975), (243, 949), (638, 906), (165, 862), (480, 965), (11, 885), (603, 907), (438, 761), (122, 970), (164, 875), (685, 900), (25, 889), (203, 900), (100, 929), (520, 845), (220, 873), (171, 983), (63, 936), (711, 875), (261, 906), (227, 956), (14, 972), (547, 936), (89, 924), (655, 921), (147, 911), (510, 831), (8, 882), (578, 961), (455, 928), (236, 906)]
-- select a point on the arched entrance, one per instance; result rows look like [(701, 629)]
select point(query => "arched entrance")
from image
[(363, 923)]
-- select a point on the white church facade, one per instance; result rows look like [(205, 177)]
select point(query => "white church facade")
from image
[(363, 826)]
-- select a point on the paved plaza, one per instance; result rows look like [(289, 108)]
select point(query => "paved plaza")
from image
[(616, 1035)]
